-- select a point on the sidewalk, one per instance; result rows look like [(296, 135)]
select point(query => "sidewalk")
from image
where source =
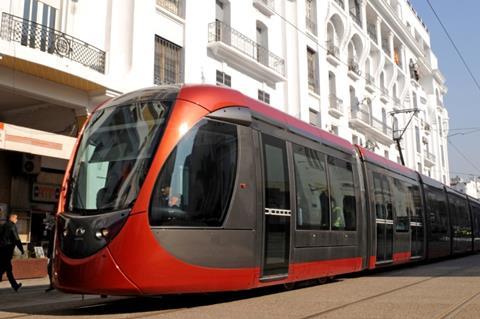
[(27, 283)]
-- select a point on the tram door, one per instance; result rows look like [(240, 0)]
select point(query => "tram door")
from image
[(384, 217), (277, 211)]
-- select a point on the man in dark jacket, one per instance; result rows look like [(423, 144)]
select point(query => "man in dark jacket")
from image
[(8, 240)]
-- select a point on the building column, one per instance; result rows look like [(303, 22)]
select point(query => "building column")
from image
[(390, 43)]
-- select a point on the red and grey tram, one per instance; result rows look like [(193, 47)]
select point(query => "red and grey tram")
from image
[(199, 188)]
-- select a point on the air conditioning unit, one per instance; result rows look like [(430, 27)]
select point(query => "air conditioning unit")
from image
[(31, 164)]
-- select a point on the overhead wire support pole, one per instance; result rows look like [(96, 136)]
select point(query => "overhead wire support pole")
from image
[(398, 139)]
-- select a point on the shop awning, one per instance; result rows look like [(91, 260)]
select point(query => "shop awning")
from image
[(26, 140)]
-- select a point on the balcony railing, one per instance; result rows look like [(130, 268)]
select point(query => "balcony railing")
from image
[(311, 25), (221, 32), (340, 3), (174, 6), (332, 49), (372, 121), (354, 67), (336, 103), (372, 32), (48, 40)]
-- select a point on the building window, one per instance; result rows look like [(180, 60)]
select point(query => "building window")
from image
[(224, 79), (314, 118), (312, 70), (440, 127), (334, 130), (419, 167), (442, 155), (174, 6), (168, 62), (310, 16), (387, 155), (354, 139), (264, 96), (417, 138)]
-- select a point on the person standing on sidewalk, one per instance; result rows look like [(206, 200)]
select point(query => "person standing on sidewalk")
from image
[(8, 240)]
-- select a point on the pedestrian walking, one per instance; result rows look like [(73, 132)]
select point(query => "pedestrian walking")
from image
[(50, 229), (8, 240)]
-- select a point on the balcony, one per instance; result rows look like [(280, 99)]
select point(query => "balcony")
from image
[(50, 41), (364, 121), (336, 106), (265, 6), (244, 53), (311, 26), (372, 32), (340, 3), (333, 53), (369, 83), (354, 70), (172, 6), (429, 159)]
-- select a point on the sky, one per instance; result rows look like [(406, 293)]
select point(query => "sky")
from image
[(463, 98)]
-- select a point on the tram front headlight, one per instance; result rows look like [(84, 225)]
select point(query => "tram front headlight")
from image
[(102, 233)]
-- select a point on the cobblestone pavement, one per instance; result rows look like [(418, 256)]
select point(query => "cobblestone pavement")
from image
[(445, 289)]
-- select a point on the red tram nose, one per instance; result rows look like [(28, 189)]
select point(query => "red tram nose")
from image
[(97, 274)]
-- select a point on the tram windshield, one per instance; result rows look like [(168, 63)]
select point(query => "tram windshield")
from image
[(114, 155)]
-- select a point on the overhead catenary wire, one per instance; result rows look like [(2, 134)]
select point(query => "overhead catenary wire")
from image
[(472, 76), (457, 50)]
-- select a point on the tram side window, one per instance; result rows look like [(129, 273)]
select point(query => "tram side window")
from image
[(416, 196), (313, 208), (441, 205), (383, 197), (342, 195), (403, 205), (196, 182), (476, 217), (277, 187)]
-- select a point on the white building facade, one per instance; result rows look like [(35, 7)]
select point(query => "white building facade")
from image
[(342, 65)]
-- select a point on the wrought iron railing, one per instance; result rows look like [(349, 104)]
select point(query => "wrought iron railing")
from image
[(174, 6), (43, 38), (372, 32), (340, 3), (311, 25), (336, 103), (332, 49), (354, 67), (222, 32)]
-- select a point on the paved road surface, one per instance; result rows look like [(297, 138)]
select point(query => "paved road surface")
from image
[(447, 289)]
